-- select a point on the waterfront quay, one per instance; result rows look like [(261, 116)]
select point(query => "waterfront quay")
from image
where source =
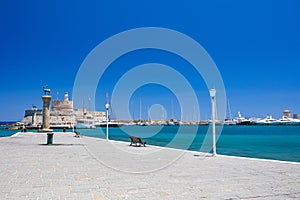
[(93, 168)]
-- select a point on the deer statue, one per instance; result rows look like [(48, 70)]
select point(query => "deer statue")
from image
[(46, 90)]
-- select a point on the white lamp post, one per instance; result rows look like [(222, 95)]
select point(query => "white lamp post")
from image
[(73, 121), (213, 110), (107, 107)]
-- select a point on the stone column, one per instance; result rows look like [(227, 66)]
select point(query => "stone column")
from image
[(34, 115), (46, 113), (33, 118)]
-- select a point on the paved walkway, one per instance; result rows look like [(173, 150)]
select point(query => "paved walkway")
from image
[(92, 168)]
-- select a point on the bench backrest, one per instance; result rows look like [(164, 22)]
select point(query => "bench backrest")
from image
[(135, 139)]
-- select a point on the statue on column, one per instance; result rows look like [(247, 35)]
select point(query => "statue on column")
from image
[(46, 109)]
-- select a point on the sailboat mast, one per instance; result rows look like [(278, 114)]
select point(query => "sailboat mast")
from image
[(89, 105), (172, 104), (163, 113), (148, 116), (140, 108), (229, 109), (194, 114), (82, 107), (133, 115)]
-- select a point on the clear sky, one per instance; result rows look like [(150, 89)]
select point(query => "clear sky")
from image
[(255, 45)]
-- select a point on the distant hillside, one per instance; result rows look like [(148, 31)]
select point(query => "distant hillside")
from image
[(7, 122)]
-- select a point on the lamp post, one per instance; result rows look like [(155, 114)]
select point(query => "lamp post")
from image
[(107, 107), (213, 110), (73, 121)]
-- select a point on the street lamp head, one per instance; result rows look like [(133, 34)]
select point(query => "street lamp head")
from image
[(212, 92), (107, 106)]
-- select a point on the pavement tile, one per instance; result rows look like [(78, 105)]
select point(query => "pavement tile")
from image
[(92, 168)]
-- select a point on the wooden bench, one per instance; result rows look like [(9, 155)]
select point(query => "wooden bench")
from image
[(77, 134), (137, 141)]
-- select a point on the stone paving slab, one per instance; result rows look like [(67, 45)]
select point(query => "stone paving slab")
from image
[(93, 168)]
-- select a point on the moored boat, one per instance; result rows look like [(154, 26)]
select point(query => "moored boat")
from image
[(110, 124), (240, 120), (288, 121), (269, 120), (85, 124), (229, 122)]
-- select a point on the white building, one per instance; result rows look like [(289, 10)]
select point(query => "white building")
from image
[(62, 113)]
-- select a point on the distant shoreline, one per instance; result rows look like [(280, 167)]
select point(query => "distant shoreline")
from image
[(5, 123)]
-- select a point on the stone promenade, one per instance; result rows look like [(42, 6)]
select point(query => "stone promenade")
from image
[(93, 168)]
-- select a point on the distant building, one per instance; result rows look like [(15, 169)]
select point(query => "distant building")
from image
[(295, 116), (287, 113), (62, 112), (62, 107), (33, 116), (30, 112)]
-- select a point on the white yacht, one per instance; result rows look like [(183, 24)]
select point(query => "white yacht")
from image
[(240, 120), (295, 121), (85, 123), (288, 121), (132, 123), (229, 122), (110, 124), (269, 120)]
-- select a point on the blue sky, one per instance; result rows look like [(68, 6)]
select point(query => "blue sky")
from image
[(255, 45)]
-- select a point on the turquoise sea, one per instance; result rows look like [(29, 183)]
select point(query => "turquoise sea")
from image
[(268, 142)]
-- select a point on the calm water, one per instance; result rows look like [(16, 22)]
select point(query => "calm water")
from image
[(4, 132), (269, 142)]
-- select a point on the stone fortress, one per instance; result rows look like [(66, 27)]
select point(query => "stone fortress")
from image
[(61, 113)]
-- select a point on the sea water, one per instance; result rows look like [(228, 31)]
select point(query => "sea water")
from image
[(268, 142), (4, 132)]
